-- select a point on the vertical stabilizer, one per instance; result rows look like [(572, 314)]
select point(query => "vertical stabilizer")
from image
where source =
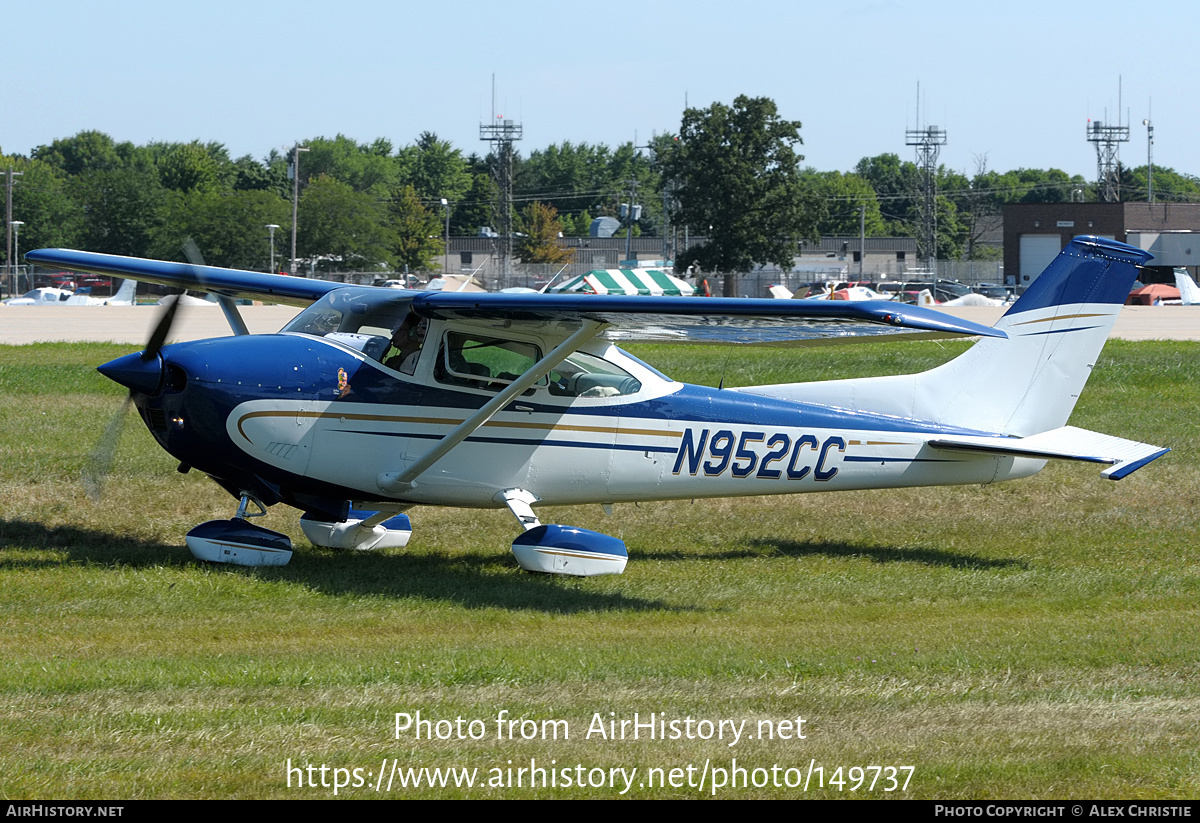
[(125, 295), (1020, 386), (1189, 292)]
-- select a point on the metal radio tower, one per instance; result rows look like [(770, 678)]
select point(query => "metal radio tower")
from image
[(928, 142), (1108, 140), (502, 134)]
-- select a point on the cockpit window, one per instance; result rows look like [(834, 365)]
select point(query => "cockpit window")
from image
[(483, 362), (363, 319)]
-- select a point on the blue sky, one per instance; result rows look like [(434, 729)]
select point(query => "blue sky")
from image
[(1014, 81)]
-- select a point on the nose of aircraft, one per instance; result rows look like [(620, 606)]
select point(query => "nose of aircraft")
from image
[(134, 373)]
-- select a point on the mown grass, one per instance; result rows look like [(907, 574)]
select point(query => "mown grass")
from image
[(1032, 639)]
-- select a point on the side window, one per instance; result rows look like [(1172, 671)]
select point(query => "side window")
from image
[(483, 362)]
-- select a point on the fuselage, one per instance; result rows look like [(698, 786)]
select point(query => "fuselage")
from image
[(304, 418)]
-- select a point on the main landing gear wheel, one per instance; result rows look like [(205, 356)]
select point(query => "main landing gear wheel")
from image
[(238, 542), (554, 549)]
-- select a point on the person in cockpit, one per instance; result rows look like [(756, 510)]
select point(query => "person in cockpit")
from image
[(406, 344)]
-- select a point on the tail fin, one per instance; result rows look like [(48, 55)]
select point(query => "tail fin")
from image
[(1020, 386), (1189, 292), (125, 295)]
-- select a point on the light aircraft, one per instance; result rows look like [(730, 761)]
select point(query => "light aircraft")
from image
[(839, 291), (44, 296), (51, 296), (1189, 292), (501, 400)]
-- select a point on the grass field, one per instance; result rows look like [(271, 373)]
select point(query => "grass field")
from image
[(1037, 639)]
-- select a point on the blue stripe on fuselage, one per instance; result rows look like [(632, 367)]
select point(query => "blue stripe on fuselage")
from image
[(516, 441)]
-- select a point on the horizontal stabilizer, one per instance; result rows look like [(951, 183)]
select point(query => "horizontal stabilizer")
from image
[(1066, 443)]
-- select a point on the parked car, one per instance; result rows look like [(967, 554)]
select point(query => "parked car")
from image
[(994, 291)]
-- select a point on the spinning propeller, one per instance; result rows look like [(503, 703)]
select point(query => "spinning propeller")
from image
[(141, 373)]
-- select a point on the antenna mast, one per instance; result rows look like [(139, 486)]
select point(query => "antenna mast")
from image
[(928, 142), (1108, 140), (502, 134)]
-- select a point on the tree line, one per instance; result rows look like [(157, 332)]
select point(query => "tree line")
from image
[(732, 175)]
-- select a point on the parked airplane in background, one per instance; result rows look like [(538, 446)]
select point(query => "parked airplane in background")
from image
[(1189, 292), (373, 401), (837, 291), (50, 296), (45, 296)]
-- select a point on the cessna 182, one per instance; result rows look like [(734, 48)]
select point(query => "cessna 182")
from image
[(372, 401)]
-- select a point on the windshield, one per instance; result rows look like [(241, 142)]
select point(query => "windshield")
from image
[(363, 319), (353, 310)]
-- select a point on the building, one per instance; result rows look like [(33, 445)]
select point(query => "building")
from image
[(1034, 234)]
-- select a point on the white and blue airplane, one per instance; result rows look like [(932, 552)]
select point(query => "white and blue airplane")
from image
[(374, 400)]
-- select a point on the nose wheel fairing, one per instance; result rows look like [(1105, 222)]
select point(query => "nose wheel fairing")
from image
[(239, 543)]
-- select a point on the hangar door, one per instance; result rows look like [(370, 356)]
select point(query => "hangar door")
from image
[(1037, 251)]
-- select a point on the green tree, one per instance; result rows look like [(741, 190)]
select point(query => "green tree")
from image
[(43, 202), (435, 169), (269, 175), (737, 180), (364, 167), (897, 186), (476, 208), (541, 227), (1169, 185), (193, 166), (416, 231), (88, 151), (229, 228), (123, 208), (343, 229), (579, 177), (842, 196)]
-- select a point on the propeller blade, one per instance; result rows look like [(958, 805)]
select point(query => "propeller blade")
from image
[(192, 252), (161, 330), (159, 336), (99, 462)]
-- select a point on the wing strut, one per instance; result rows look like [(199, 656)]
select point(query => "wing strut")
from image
[(232, 314), (399, 482)]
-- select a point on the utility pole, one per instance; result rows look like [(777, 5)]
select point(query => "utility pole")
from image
[(295, 198), (8, 220), (1149, 156), (632, 214), (502, 134), (668, 255), (862, 239), (446, 251), (271, 231)]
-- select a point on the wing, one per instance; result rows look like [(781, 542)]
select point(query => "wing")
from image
[(663, 319), (239, 285), (704, 320)]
